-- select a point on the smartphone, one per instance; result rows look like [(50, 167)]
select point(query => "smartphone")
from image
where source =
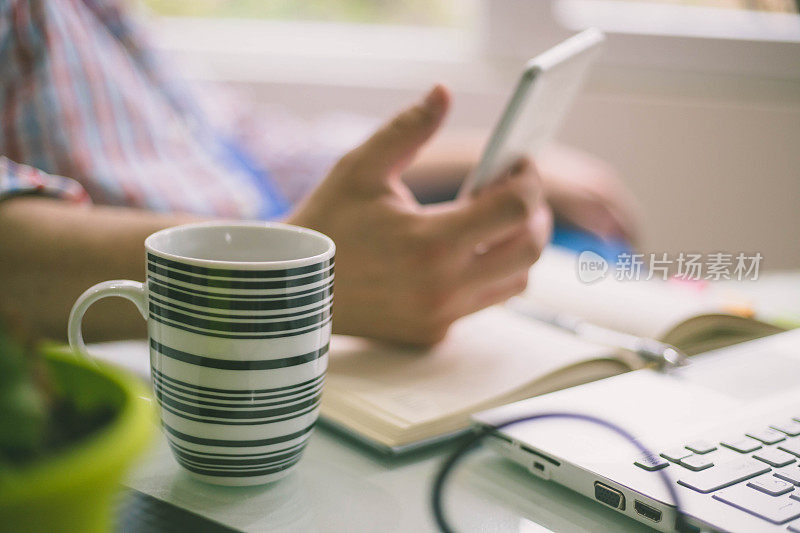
[(542, 97)]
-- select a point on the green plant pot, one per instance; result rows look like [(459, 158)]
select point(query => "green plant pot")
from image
[(72, 489)]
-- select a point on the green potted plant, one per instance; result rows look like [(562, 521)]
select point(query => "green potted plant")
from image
[(69, 429)]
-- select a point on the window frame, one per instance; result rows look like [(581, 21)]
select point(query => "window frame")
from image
[(643, 35), (386, 56)]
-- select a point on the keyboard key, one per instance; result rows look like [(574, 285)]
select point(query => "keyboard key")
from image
[(743, 445), (650, 462), (771, 485), (696, 462), (767, 436), (790, 474), (723, 475), (791, 428), (791, 446), (774, 457), (701, 446), (676, 454), (777, 510), (794, 527)]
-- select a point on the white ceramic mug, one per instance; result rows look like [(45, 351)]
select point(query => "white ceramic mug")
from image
[(239, 322)]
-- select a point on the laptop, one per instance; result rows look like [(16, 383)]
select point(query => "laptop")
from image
[(725, 431)]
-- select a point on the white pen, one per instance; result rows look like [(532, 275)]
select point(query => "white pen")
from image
[(650, 350)]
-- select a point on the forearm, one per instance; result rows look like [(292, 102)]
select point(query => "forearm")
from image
[(51, 251)]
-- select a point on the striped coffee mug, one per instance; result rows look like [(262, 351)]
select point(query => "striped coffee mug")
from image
[(239, 321)]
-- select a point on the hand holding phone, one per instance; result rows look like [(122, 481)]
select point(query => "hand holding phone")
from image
[(542, 97)]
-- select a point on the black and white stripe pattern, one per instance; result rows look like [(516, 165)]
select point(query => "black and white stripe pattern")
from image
[(238, 360), (239, 304)]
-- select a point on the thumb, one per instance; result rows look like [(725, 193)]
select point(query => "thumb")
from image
[(394, 145)]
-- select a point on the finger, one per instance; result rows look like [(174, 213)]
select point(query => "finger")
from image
[(491, 216), (595, 219), (521, 166), (604, 219), (391, 148), (615, 225), (516, 254), (495, 293), (625, 211)]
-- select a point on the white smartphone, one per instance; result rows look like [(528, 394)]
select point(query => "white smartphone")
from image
[(542, 97)]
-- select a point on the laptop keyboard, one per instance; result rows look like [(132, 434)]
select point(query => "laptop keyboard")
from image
[(757, 472)]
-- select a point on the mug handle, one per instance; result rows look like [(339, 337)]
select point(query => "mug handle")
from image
[(131, 290)]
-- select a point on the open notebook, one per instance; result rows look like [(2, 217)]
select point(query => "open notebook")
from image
[(396, 398), (691, 318)]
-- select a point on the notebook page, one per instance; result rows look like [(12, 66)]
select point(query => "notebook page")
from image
[(645, 308), (485, 355)]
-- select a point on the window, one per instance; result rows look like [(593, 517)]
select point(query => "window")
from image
[(710, 37), (778, 6), (757, 20), (406, 12), (403, 44), (376, 43)]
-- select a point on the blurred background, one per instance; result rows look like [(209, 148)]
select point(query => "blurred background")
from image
[(696, 102)]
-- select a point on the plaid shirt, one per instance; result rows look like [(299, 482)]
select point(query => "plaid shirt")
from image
[(90, 114)]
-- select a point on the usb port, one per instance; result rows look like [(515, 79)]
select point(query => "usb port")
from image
[(607, 495), (651, 513)]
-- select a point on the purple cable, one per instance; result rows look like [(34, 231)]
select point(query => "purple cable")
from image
[(483, 431)]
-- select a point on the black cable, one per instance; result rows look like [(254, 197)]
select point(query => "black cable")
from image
[(481, 432)]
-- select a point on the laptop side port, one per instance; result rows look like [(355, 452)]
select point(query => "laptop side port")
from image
[(539, 469), (500, 436), (651, 513), (611, 497), (539, 454)]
